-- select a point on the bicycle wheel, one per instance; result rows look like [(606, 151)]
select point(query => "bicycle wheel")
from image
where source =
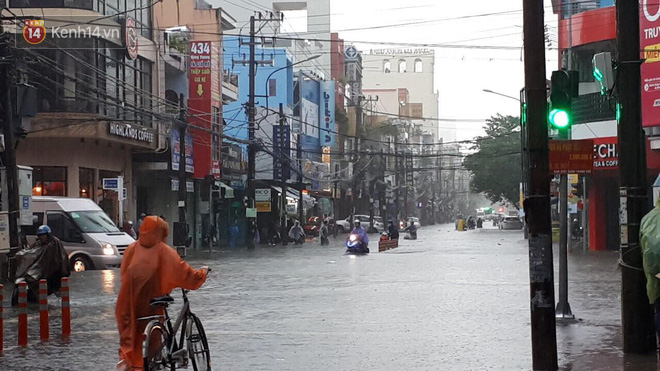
[(198, 346), (154, 348)]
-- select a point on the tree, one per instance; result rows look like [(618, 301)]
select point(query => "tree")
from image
[(495, 166)]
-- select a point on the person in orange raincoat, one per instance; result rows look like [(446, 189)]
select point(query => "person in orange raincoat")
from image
[(150, 268)]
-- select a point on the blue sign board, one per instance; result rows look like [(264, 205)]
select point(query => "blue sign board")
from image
[(111, 184), (176, 153), (327, 134), (26, 202)]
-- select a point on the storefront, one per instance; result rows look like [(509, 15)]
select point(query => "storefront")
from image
[(72, 161), (603, 192)]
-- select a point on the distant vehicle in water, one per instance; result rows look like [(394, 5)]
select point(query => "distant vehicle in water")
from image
[(511, 222)]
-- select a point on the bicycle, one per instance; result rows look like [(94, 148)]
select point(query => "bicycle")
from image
[(160, 348)]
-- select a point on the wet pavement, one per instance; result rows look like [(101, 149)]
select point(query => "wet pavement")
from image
[(447, 301)]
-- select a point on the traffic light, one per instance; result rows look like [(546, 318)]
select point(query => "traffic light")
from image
[(564, 89)]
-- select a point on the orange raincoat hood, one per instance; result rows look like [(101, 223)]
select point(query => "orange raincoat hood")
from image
[(150, 268)]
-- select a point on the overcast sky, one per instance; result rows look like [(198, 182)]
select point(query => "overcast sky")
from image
[(460, 74)]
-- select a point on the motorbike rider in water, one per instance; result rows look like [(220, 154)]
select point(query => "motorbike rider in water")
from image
[(361, 233)]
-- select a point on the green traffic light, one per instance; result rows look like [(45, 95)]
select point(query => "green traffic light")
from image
[(559, 118)]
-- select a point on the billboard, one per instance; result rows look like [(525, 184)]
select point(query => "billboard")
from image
[(571, 156), (650, 70), (176, 152), (309, 104), (327, 135)]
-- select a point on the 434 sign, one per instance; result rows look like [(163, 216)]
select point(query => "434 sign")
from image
[(34, 31)]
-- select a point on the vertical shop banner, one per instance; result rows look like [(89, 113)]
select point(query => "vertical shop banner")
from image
[(310, 107), (200, 70), (281, 143), (327, 133), (176, 152), (649, 24)]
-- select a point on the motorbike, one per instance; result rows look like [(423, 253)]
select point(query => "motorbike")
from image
[(355, 246), (576, 229)]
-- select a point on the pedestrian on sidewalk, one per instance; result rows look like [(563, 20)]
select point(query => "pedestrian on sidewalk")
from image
[(649, 236)]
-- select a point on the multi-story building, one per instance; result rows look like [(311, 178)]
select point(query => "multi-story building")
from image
[(412, 69), (587, 28), (109, 92), (96, 89)]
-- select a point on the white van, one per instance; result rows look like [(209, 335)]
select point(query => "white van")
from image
[(89, 236)]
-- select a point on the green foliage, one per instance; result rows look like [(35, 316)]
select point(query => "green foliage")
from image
[(495, 166)]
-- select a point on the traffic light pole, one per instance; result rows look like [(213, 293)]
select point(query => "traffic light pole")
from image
[(636, 313), (563, 310), (537, 203)]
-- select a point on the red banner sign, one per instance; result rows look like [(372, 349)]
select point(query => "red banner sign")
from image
[(572, 156), (606, 153), (649, 24)]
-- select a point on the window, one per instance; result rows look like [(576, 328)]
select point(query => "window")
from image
[(48, 181), (61, 226), (419, 65), (272, 87), (402, 66), (31, 230), (387, 66), (86, 180)]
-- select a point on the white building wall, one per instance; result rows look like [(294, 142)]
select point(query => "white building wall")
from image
[(419, 84)]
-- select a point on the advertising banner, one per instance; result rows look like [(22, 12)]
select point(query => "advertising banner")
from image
[(328, 130), (176, 153), (310, 107), (571, 156), (649, 24)]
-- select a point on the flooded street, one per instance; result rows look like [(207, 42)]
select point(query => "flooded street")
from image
[(449, 300)]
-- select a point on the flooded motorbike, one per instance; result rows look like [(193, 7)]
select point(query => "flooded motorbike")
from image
[(355, 245)]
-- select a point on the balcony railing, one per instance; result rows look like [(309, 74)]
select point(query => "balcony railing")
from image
[(592, 108), (229, 77)]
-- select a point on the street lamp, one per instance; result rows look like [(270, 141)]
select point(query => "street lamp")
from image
[(500, 94), (282, 68)]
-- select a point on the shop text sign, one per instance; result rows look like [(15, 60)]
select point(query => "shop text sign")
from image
[(571, 156), (132, 132), (649, 23), (606, 153)]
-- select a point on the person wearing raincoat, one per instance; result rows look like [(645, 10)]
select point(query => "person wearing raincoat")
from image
[(297, 233), (150, 268), (649, 237)]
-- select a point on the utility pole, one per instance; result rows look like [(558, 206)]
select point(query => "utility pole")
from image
[(251, 131), (284, 165), (636, 312), (9, 155), (301, 185), (182, 193), (537, 204)]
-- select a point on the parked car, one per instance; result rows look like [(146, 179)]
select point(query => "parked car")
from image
[(89, 236), (511, 222), (346, 225)]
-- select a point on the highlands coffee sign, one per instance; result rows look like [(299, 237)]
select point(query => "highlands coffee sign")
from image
[(134, 132)]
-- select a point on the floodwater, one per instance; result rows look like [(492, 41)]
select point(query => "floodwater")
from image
[(447, 301)]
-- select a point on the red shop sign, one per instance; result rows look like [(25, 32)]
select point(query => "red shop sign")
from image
[(571, 156)]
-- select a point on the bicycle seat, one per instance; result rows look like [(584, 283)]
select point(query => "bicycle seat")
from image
[(161, 301)]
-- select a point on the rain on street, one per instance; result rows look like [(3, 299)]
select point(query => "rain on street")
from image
[(449, 300)]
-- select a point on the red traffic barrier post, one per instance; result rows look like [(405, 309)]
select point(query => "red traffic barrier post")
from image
[(43, 310), (22, 315), (66, 308), (2, 325)]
